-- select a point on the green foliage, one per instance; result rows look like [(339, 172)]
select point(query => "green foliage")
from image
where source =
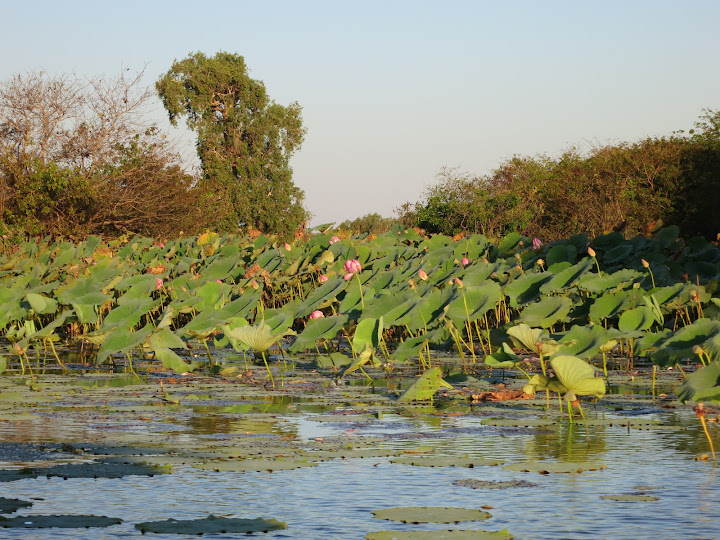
[(368, 224), (628, 187), (245, 141)]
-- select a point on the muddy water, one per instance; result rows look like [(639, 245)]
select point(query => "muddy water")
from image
[(638, 445)]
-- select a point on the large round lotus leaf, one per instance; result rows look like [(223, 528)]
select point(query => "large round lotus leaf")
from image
[(108, 468), (630, 498), (8, 506), (430, 514), (211, 524), (493, 484), (58, 521), (440, 535), (546, 467), (520, 422), (254, 465), (447, 461), (321, 455)]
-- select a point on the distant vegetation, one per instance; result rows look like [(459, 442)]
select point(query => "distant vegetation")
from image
[(627, 187), (78, 157)]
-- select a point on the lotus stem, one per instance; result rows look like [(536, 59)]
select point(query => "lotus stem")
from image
[(653, 380), (130, 365), (587, 431), (272, 380), (605, 365), (701, 415), (56, 355), (208, 351), (362, 300)]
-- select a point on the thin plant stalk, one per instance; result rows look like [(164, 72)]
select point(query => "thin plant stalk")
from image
[(701, 415), (272, 380)]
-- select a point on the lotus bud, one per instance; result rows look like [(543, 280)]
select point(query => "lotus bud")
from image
[(694, 296), (322, 278), (422, 275), (254, 285), (287, 247), (540, 263), (537, 244), (645, 263), (518, 257), (465, 261), (697, 349), (459, 282), (316, 314), (218, 281), (158, 284), (333, 240), (352, 266), (591, 252)]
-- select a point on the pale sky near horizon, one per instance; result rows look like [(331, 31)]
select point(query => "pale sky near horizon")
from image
[(393, 91)]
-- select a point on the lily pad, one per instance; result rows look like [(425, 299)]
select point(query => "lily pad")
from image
[(61, 521), (440, 535), (254, 465), (8, 506), (546, 467), (430, 514), (493, 484), (447, 461), (630, 498), (211, 524)]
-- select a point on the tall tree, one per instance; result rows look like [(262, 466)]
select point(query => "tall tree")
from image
[(244, 141)]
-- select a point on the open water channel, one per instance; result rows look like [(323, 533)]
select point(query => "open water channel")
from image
[(322, 456)]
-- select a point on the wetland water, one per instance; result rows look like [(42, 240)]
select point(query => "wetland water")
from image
[(343, 439)]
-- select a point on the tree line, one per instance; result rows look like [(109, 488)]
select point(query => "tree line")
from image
[(78, 156)]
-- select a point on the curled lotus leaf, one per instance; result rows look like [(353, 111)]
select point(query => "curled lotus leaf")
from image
[(258, 337)]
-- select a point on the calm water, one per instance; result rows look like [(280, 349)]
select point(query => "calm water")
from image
[(335, 499)]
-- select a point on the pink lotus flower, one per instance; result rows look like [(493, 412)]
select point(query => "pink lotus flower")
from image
[(537, 244), (352, 266), (422, 275), (218, 281), (287, 247), (465, 261), (322, 278), (333, 240), (158, 284), (161, 245), (316, 315)]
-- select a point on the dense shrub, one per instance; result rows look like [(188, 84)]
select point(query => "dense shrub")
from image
[(627, 187)]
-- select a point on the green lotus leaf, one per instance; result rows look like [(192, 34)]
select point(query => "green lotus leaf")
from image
[(567, 278), (561, 253), (640, 318), (622, 279), (526, 288), (547, 467), (8, 506), (211, 296), (42, 305), (611, 304), (128, 314), (164, 338), (471, 303), (532, 339), (367, 355), (583, 341), (411, 347), (122, 340), (502, 358), (367, 333), (578, 376), (258, 337), (545, 313), (316, 329), (679, 344), (424, 388), (321, 297), (701, 386)]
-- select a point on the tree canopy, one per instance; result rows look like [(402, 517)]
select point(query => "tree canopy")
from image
[(244, 141)]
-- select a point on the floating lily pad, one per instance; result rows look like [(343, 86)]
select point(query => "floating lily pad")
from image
[(440, 535), (630, 498), (520, 422), (493, 484), (63, 521), (110, 468), (447, 461), (547, 467), (211, 524), (8, 506), (430, 514), (254, 465)]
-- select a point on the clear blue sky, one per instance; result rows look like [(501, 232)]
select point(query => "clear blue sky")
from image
[(392, 91)]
